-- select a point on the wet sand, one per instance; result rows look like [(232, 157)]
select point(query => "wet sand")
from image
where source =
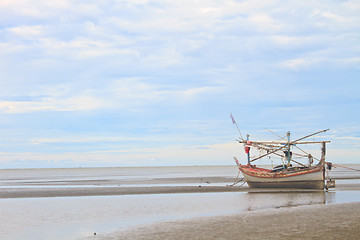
[(333, 221), (109, 191), (114, 191)]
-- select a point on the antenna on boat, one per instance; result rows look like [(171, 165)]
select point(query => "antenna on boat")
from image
[(234, 122), (275, 134)]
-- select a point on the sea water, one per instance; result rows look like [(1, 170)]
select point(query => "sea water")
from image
[(81, 217)]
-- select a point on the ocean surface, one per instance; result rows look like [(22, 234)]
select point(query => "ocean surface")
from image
[(81, 216)]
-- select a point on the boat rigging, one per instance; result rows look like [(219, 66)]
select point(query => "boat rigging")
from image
[(287, 175)]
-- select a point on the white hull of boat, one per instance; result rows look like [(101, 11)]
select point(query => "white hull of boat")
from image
[(310, 180)]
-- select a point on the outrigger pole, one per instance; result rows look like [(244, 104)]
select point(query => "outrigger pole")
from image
[(288, 144), (307, 154)]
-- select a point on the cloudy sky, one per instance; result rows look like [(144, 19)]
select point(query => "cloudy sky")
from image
[(139, 82)]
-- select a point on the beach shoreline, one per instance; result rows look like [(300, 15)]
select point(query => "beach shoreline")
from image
[(331, 221), (103, 190)]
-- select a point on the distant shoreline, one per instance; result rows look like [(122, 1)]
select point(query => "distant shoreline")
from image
[(105, 167)]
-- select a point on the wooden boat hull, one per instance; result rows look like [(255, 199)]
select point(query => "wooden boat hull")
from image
[(311, 178)]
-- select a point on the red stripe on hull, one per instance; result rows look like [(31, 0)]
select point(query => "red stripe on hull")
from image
[(266, 173)]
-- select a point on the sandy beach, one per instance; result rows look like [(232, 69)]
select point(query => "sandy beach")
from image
[(170, 203), (333, 221)]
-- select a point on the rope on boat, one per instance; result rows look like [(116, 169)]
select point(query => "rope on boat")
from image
[(237, 180), (354, 169)]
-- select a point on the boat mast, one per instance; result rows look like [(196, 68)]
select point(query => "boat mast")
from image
[(248, 151), (288, 150), (322, 162)]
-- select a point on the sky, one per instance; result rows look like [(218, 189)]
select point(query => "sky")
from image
[(152, 83)]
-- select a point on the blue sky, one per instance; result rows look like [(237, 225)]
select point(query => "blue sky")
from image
[(142, 83)]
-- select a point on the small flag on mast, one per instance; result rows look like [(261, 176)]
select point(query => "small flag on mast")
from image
[(234, 122), (232, 118)]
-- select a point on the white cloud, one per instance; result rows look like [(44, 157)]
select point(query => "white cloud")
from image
[(82, 49), (315, 62), (77, 103), (265, 23), (130, 94), (23, 107), (26, 31), (163, 58), (133, 92), (301, 63)]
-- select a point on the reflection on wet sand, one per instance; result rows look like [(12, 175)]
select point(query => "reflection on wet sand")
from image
[(259, 200)]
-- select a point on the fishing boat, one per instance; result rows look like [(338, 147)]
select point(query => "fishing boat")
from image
[(291, 173)]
